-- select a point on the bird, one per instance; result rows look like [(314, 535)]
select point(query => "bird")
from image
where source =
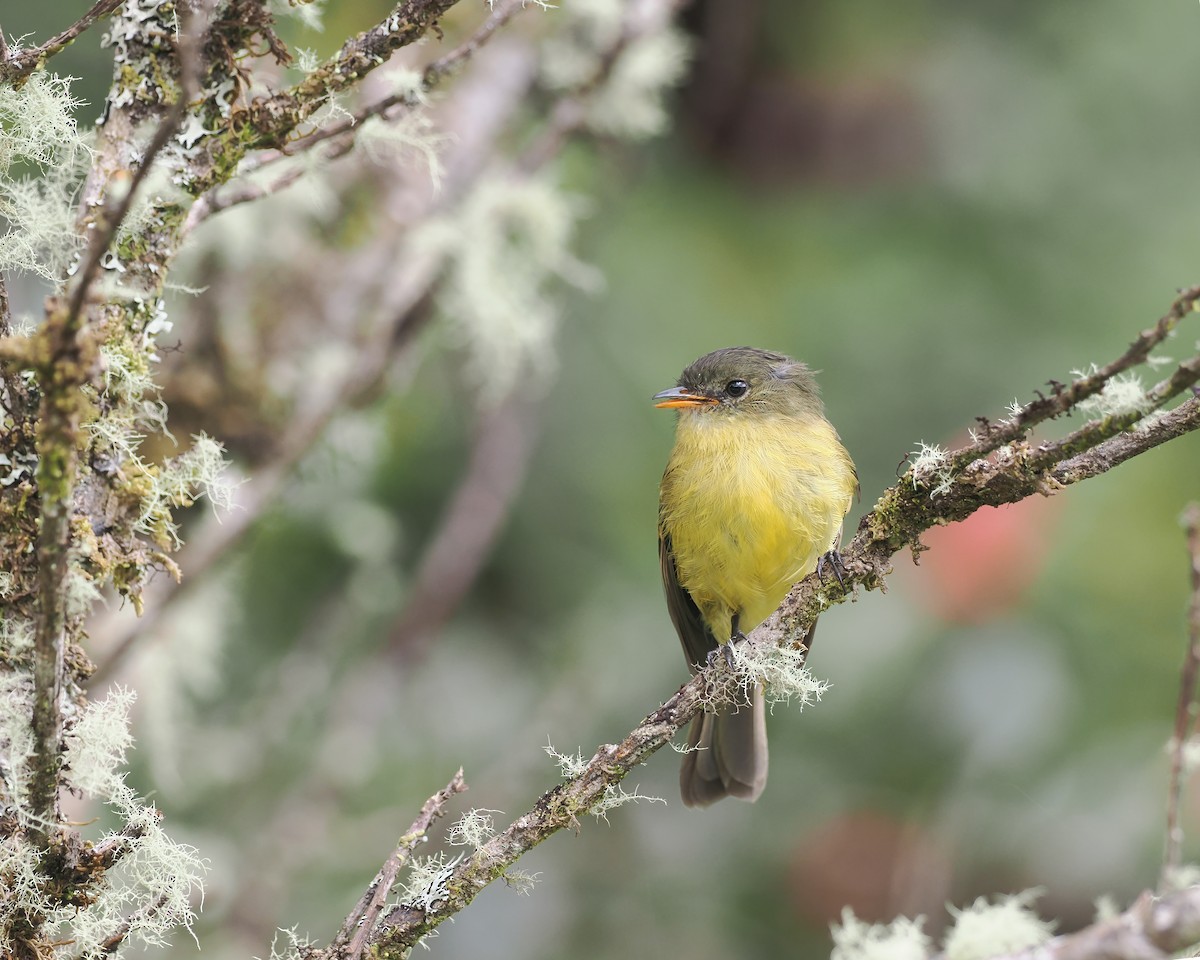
[(754, 494)]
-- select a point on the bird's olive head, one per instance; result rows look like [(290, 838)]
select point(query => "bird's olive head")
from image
[(745, 381)]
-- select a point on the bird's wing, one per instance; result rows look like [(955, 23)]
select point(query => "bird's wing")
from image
[(697, 641)]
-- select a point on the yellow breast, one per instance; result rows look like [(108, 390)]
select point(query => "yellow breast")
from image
[(750, 505)]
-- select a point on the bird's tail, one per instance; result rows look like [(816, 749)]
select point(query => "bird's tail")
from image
[(727, 755)]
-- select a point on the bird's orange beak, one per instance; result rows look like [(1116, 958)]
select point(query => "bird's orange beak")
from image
[(683, 397)]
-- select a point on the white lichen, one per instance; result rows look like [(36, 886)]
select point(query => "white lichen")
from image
[(155, 881), (617, 796), (473, 829), (425, 883), (520, 881), (930, 469), (502, 251), (1107, 908), (16, 734), (97, 744), (1181, 877), (1121, 395), (986, 929), (632, 103), (780, 671), (406, 135), (39, 134), (151, 887), (289, 944), (573, 765), (629, 103), (570, 765), (198, 471), (902, 939)]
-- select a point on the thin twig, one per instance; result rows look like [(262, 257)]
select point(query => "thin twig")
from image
[(115, 209), (1063, 398), (15, 65), (570, 111), (359, 924), (468, 528), (902, 514), (227, 195), (271, 120), (113, 941), (478, 114), (1186, 709), (5, 310)]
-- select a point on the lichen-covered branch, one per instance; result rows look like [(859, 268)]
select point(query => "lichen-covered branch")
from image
[(351, 939), (81, 507), (930, 493), (268, 122), (1154, 928), (15, 65)]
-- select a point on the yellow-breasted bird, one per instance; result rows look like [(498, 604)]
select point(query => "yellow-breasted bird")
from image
[(754, 494)]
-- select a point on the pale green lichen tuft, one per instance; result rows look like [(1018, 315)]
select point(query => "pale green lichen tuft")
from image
[(151, 887), (410, 135), (97, 744), (902, 939), (629, 103), (198, 471), (617, 796), (502, 251), (1123, 394), (520, 881), (39, 134), (425, 883), (781, 671), (930, 469), (16, 734), (986, 929), (309, 13), (573, 765), (473, 829), (289, 944), (570, 765)]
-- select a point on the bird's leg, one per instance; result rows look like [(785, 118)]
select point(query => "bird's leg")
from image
[(735, 636), (833, 561), (726, 649)]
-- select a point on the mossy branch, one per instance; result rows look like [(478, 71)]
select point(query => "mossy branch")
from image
[(16, 65), (269, 121), (939, 488)]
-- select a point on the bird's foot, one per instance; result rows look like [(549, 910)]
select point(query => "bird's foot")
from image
[(724, 651), (832, 560)]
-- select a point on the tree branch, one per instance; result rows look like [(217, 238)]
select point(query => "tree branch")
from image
[(351, 940), (16, 65), (273, 119), (224, 196), (1186, 711), (930, 493), (482, 106), (464, 536), (67, 362), (1154, 928)]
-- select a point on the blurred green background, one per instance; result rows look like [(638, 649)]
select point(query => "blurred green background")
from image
[(940, 205)]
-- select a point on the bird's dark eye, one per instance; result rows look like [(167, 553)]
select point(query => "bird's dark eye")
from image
[(736, 388)]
